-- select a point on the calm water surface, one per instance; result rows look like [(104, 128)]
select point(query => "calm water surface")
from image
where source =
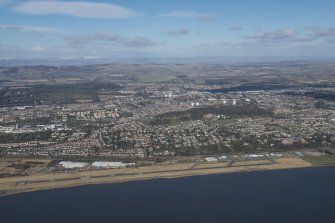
[(301, 195)]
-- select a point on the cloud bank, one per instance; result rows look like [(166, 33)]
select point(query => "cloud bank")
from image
[(203, 17), (83, 9), (115, 40), (34, 29), (280, 34), (179, 32)]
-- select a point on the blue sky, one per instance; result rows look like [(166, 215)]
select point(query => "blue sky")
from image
[(175, 28)]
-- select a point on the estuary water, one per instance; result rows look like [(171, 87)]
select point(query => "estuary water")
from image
[(285, 196)]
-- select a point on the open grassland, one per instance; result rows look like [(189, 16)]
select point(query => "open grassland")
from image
[(211, 165), (320, 160), (155, 79), (19, 167), (43, 181)]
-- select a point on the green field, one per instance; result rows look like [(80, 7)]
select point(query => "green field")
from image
[(156, 79), (53, 94), (198, 114), (320, 160)]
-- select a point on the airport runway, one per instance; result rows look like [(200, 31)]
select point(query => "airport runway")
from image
[(194, 167)]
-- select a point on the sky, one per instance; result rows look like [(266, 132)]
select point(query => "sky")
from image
[(166, 28)]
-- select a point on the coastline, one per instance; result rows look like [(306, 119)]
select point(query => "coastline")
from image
[(16, 185)]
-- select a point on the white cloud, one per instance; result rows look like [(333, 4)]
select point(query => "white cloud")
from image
[(320, 33), (34, 29), (38, 49), (204, 17), (83, 9)]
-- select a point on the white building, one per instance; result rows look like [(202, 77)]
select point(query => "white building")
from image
[(103, 164), (73, 165), (211, 159)]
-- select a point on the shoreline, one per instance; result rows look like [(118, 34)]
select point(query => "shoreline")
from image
[(17, 185)]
